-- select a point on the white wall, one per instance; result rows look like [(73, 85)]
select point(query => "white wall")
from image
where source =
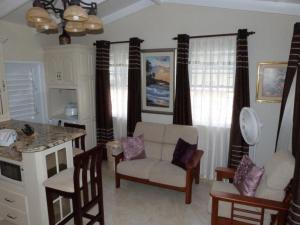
[(22, 42), (158, 24)]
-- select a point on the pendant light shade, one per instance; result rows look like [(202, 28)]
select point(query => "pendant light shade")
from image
[(46, 26), (93, 23), (37, 15), (74, 27), (75, 13)]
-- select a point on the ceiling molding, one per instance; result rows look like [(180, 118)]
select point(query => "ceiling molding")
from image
[(158, 2), (127, 11), (8, 6), (249, 5)]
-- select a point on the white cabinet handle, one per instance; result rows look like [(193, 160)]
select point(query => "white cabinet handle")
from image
[(8, 200), (11, 217)]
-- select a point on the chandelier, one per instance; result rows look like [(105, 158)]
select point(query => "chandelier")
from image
[(75, 17)]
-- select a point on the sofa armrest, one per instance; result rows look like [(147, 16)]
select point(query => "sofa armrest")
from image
[(195, 160), (118, 157), (249, 201), (224, 173)]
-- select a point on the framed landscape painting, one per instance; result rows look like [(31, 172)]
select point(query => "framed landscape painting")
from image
[(270, 81), (158, 71)]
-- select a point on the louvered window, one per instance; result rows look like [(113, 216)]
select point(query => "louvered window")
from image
[(21, 95)]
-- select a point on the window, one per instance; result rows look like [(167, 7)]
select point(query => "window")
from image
[(24, 91), (212, 70), (118, 87)]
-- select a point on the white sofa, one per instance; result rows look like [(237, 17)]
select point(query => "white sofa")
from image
[(270, 195), (156, 169)]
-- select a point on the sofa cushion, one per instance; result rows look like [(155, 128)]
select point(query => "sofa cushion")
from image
[(139, 168), (153, 149), (183, 153), (225, 207), (166, 173), (167, 152), (152, 132), (172, 134), (279, 170), (133, 147), (247, 177)]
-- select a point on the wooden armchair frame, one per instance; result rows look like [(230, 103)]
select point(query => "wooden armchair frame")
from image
[(235, 199), (192, 172)]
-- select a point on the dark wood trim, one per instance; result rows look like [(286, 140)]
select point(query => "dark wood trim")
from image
[(224, 173), (216, 35), (192, 172)]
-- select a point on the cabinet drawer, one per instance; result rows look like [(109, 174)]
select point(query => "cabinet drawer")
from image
[(13, 215), (13, 199)]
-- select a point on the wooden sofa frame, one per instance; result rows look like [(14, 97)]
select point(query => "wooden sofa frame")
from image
[(192, 172), (234, 199)]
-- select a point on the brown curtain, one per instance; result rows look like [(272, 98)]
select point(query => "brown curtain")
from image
[(294, 69), (134, 85), (237, 146), (182, 105), (291, 70), (103, 100), (294, 212)]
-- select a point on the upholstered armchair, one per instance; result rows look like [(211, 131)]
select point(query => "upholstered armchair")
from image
[(270, 203)]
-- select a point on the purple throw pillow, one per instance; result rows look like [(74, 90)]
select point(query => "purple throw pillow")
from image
[(133, 147), (247, 177), (183, 153)]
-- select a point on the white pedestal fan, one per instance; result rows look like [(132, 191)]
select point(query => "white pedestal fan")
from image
[(250, 126)]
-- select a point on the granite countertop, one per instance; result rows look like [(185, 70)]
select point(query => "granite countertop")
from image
[(45, 136)]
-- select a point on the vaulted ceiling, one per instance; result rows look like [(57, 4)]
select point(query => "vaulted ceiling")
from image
[(111, 10)]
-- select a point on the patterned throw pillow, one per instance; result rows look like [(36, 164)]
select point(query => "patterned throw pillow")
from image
[(247, 177), (183, 153), (133, 147)]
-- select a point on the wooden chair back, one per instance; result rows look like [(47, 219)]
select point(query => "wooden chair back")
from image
[(87, 167), (80, 141)]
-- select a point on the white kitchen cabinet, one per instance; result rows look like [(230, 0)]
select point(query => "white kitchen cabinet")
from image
[(4, 110), (70, 78)]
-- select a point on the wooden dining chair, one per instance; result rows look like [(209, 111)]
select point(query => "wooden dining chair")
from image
[(82, 184), (78, 143)]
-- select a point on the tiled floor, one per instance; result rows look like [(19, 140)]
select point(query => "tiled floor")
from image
[(138, 204)]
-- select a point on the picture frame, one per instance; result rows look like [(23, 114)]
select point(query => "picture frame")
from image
[(158, 79), (270, 81)]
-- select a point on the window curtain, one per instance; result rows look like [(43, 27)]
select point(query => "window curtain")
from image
[(290, 74), (134, 85), (182, 106), (103, 99), (293, 72), (119, 88), (237, 146), (212, 70)]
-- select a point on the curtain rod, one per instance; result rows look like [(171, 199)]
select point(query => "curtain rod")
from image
[(119, 42), (216, 35)]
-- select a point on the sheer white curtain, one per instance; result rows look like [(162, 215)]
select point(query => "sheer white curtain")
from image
[(212, 72), (118, 86)]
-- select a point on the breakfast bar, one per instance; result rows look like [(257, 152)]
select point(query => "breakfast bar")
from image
[(30, 161)]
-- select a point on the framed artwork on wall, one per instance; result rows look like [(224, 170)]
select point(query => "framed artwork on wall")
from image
[(270, 81), (158, 76)]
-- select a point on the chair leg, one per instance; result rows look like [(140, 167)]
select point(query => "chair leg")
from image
[(77, 211), (197, 173), (118, 182), (189, 184), (214, 211), (49, 197)]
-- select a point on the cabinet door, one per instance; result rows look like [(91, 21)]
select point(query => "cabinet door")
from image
[(53, 65), (60, 68), (4, 110)]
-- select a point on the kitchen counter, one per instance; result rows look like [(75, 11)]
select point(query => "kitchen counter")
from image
[(45, 136)]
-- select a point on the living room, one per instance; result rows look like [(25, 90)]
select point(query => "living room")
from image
[(212, 28)]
